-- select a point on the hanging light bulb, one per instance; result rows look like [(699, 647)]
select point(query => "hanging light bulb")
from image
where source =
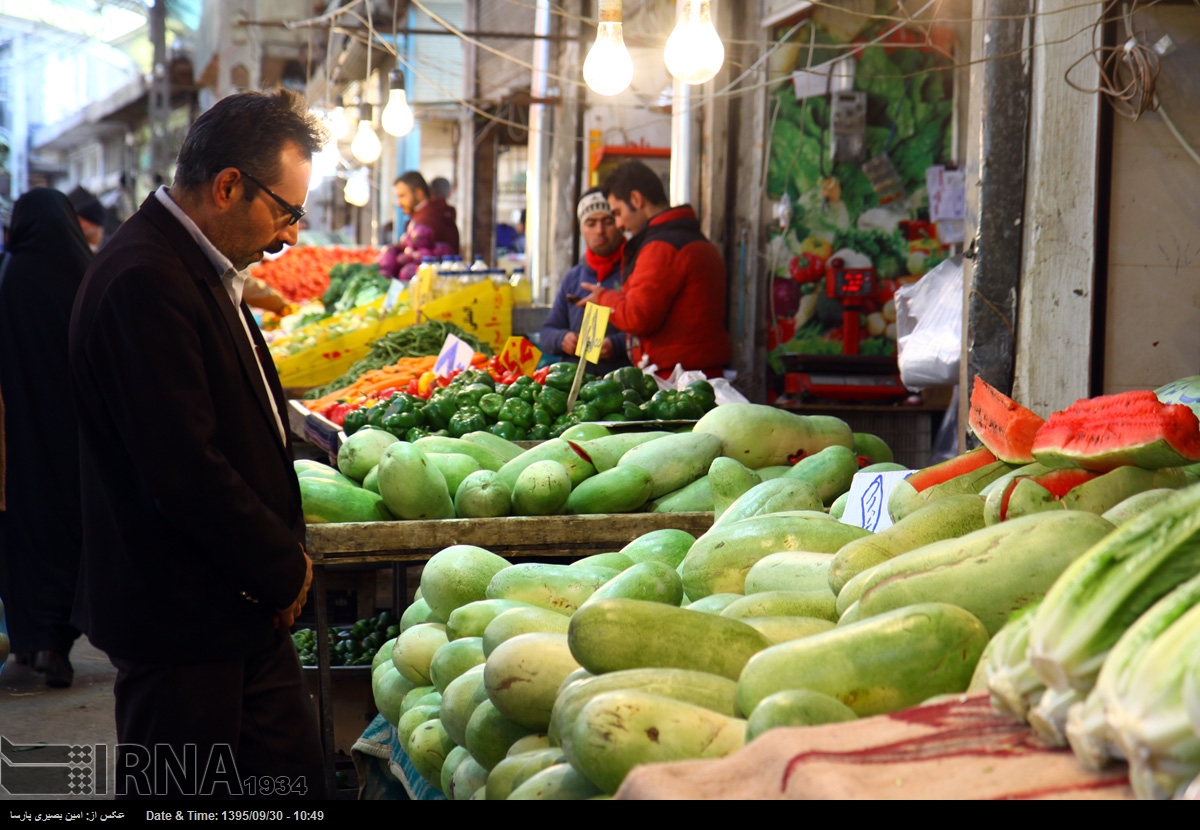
[(397, 118), (365, 146), (694, 52), (608, 69), (358, 190), (339, 123)]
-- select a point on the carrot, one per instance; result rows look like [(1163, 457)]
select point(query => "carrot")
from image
[(376, 380)]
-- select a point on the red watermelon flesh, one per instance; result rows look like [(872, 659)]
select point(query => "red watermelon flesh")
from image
[(1057, 484), (967, 462), (1129, 429), (1003, 425)]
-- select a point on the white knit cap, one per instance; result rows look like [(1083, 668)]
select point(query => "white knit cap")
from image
[(592, 203)]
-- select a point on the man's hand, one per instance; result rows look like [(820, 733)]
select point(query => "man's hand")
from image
[(606, 351), (286, 616), (591, 297), (569, 342)]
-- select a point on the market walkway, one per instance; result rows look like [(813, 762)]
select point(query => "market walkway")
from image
[(31, 713)]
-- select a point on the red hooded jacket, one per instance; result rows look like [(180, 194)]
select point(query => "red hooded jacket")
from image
[(672, 303), (440, 216)]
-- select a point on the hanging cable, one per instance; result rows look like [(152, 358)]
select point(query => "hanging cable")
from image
[(1128, 72)]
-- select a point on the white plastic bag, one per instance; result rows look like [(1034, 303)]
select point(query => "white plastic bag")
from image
[(679, 379), (929, 326)]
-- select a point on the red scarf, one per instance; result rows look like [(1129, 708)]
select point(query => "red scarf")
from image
[(604, 265)]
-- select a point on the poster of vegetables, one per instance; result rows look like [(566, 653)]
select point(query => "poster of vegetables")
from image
[(869, 211)]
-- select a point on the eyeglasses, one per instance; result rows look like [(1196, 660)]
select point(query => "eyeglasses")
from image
[(297, 213)]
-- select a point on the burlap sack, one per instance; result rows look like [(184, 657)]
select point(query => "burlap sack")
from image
[(958, 749)]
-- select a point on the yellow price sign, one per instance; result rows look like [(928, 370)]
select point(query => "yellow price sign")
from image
[(520, 355), (591, 333)]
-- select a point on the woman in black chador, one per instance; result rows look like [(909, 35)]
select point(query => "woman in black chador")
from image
[(45, 259)]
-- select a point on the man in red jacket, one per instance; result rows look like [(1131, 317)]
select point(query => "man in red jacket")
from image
[(414, 198), (672, 303)]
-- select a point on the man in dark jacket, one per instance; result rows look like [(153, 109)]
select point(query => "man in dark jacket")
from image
[(601, 265), (413, 197), (193, 557), (672, 304)]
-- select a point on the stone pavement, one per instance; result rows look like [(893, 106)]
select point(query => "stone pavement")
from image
[(32, 713)]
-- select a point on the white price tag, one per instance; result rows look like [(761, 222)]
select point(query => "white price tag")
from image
[(455, 354), (869, 493)]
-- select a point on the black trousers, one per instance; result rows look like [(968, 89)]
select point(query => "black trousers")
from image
[(244, 727)]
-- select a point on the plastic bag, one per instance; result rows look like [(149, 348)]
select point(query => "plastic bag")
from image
[(679, 379), (945, 443), (929, 326)]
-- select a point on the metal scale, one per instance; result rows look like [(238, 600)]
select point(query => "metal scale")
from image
[(848, 376)]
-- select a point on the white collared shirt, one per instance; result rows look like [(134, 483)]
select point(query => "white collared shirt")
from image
[(234, 282)]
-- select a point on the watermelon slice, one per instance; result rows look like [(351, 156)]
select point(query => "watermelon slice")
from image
[(1003, 425), (1130, 429), (967, 462), (1034, 494)]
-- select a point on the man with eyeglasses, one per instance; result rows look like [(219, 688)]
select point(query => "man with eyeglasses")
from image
[(193, 563)]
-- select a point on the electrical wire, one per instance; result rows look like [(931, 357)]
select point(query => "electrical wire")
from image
[(355, 34), (728, 90), (478, 44), (1128, 72), (1188, 148)]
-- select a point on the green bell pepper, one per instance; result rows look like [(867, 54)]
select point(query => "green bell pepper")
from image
[(375, 414), (608, 404), (401, 422), (470, 395), (594, 389), (355, 420), (505, 429), (561, 379), (539, 432), (542, 415), (491, 404), (702, 390), (469, 419), (437, 412), (664, 406), (553, 400), (518, 411), (472, 376), (586, 412), (649, 386)]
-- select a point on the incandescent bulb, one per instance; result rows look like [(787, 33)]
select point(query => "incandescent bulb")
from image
[(397, 118), (339, 123), (608, 69), (365, 146), (694, 52), (357, 191)]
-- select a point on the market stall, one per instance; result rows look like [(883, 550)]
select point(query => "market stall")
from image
[(551, 538), (1050, 574)]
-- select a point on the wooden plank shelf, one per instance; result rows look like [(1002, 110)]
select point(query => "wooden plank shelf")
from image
[(508, 536)]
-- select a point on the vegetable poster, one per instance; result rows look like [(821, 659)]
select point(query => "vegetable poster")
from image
[(854, 136)]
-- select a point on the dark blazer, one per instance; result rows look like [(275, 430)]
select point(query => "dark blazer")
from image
[(191, 508)]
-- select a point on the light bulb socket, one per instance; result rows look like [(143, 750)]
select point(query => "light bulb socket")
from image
[(610, 11), (366, 113), (396, 79)]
